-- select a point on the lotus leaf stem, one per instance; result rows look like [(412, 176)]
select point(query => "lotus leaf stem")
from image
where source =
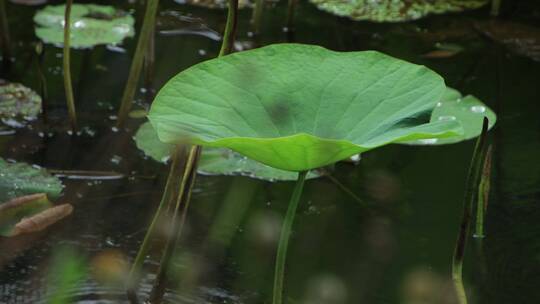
[(137, 63), (169, 194), (495, 7), (230, 29), (257, 16), (283, 245), (176, 223), (4, 36), (471, 190), (68, 86), (291, 7)]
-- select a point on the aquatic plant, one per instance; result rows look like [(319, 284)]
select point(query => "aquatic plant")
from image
[(68, 87), (395, 10), (4, 36), (19, 179), (300, 107), (137, 63), (177, 194), (90, 25), (483, 194), (495, 7), (471, 194), (18, 104)]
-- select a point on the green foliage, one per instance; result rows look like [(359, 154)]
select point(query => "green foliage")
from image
[(394, 10), (218, 161), (90, 25), (18, 179), (299, 107), (18, 103), (468, 110)]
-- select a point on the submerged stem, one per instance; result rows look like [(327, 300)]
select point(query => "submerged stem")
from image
[(286, 228), (168, 194), (4, 36), (67, 67), (230, 29), (495, 7), (137, 62), (177, 223), (256, 16), (471, 189)]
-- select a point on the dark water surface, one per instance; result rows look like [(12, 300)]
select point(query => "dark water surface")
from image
[(341, 252)]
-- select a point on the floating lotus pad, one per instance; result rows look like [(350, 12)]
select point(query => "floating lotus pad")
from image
[(213, 161), (90, 25), (298, 107), (468, 110), (18, 179), (18, 103), (394, 10)]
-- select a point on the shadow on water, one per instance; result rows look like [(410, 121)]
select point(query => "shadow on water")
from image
[(341, 252)]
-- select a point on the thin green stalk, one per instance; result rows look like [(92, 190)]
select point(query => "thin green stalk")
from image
[(190, 169), (495, 7), (471, 190), (257, 16), (291, 7), (176, 225), (346, 190), (137, 63), (286, 229), (67, 68), (149, 60), (483, 195), (42, 80), (4, 36), (169, 194), (230, 29)]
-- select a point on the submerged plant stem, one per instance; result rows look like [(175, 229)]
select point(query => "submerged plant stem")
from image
[(68, 86), (291, 7), (168, 194), (177, 224), (495, 7), (286, 228), (137, 62), (471, 190), (4, 36), (256, 16), (230, 29)]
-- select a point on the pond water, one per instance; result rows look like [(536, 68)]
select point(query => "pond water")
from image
[(395, 247)]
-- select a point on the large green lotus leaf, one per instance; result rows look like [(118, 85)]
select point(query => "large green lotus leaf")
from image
[(18, 104), (394, 10), (18, 179), (213, 161), (90, 25), (468, 110), (298, 107), (13, 211)]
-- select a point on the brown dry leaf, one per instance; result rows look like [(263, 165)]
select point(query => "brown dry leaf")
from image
[(43, 219)]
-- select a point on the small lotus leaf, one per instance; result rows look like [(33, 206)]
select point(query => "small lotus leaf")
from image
[(468, 110), (394, 10), (18, 179), (18, 104), (299, 107), (90, 25), (213, 161), (13, 211)]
